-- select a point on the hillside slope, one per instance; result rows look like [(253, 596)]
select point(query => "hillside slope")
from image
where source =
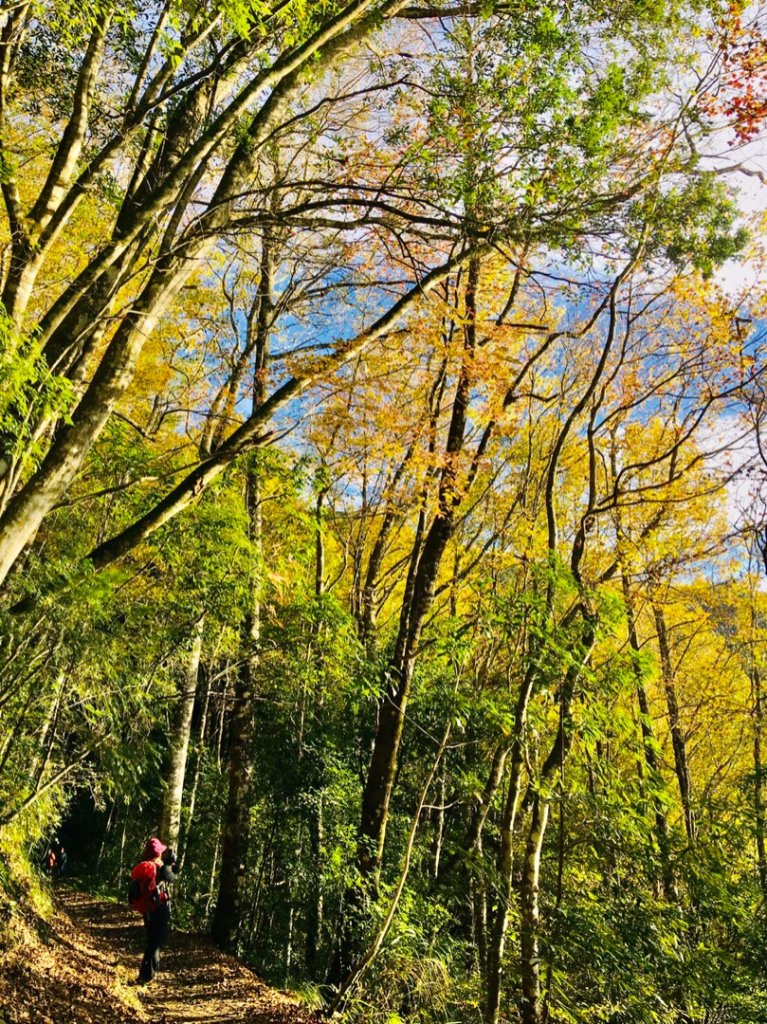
[(84, 971)]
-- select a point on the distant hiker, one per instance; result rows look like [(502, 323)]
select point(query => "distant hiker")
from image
[(149, 894), (62, 862), (49, 860)]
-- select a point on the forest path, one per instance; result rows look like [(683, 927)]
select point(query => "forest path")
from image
[(94, 966)]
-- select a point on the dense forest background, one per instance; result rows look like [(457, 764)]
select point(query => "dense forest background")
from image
[(383, 505)]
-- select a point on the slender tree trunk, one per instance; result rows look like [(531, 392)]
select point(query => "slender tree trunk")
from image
[(481, 915), (199, 754), (505, 862), (546, 1010), (122, 843), (221, 717), (479, 816), (236, 839), (213, 869), (315, 909), (439, 830), (289, 943), (255, 901), (554, 762), (531, 1004), (650, 747), (760, 818), (107, 830), (170, 821), (416, 604), (375, 946), (47, 735), (678, 741)]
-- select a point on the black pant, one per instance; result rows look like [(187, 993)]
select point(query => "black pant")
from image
[(156, 925)]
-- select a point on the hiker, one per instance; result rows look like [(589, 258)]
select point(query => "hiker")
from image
[(62, 862), (49, 859), (153, 876)]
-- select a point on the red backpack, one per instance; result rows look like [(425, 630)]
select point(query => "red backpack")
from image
[(143, 894)]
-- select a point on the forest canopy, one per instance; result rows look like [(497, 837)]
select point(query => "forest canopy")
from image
[(383, 490)]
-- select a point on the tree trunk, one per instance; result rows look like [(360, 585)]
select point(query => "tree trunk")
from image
[(47, 735), (213, 869), (531, 1003), (478, 894), (236, 840), (479, 816), (230, 906), (170, 821), (439, 829), (650, 747), (315, 910), (416, 604), (554, 762), (123, 835), (505, 862), (546, 1009), (759, 798), (199, 751), (107, 830), (374, 948), (677, 736)]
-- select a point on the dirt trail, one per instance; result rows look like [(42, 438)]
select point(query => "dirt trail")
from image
[(85, 974)]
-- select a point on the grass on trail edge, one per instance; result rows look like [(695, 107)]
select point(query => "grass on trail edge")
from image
[(81, 967)]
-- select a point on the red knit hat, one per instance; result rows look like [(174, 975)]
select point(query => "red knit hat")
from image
[(153, 849)]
